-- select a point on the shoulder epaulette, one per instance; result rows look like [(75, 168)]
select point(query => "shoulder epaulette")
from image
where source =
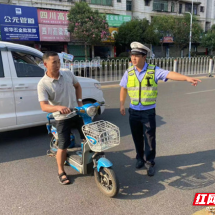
[(151, 67), (130, 69)]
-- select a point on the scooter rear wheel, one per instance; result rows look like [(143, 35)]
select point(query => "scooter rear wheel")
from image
[(107, 181), (53, 145)]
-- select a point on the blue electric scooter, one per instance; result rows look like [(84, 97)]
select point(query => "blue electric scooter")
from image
[(89, 157)]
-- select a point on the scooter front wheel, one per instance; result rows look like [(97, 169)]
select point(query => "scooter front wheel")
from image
[(107, 181)]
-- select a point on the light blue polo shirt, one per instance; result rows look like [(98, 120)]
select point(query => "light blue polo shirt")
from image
[(160, 74)]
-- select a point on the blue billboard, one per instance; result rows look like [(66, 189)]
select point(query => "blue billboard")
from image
[(19, 23)]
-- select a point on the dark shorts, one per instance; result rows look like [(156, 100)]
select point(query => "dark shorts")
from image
[(64, 130)]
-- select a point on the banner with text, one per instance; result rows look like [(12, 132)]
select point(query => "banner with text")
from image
[(110, 38)]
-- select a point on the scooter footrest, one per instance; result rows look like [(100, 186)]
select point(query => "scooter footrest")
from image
[(73, 156), (74, 149)]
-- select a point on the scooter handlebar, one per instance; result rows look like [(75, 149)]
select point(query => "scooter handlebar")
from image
[(58, 112), (73, 110)]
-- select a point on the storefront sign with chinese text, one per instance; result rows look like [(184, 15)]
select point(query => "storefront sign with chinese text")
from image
[(117, 20), (19, 23), (19, 33), (52, 17), (54, 33), (168, 40)]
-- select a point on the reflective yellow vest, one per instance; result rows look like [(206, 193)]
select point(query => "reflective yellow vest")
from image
[(144, 92)]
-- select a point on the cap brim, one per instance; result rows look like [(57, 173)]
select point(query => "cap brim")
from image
[(137, 52)]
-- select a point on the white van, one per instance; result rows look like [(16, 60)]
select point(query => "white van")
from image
[(19, 74)]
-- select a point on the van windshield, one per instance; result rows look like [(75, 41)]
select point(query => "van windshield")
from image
[(28, 65)]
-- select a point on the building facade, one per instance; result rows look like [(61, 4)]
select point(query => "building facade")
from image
[(203, 10)]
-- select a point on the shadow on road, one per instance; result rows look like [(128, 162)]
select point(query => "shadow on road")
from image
[(34, 142), (23, 143), (114, 116), (185, 171)]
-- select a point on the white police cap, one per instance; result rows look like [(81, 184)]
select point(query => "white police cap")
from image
[(139, 48)]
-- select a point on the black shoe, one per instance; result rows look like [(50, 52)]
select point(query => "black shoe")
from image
[(150, 169), (139, 164)]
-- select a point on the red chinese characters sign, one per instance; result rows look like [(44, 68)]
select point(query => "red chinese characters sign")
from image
[(54, 33), (168, 40), (52, 17)]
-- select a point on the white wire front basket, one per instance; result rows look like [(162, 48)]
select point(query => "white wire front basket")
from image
[(101, 135)]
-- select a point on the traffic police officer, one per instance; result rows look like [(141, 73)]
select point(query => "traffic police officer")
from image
[(140, 82)]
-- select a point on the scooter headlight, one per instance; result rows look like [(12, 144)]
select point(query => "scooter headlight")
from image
[(91, 111)]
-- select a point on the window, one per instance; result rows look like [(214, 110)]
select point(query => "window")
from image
[(207, 26), (195, 9), (118, 0), (147, 2), (102, 2), (1, 67), (172, 7), (129, 5), (180, 8), (202, 9), (27, 65), (160, 5), (188, 8)]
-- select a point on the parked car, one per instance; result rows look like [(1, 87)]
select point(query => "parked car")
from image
[(21, 68)]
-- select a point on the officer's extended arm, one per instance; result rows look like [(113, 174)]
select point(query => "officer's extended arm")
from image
[(123, 94), (178, 77)]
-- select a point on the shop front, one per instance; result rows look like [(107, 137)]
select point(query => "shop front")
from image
[(53, 30)]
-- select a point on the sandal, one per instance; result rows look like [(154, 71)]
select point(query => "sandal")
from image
[(62, 180)]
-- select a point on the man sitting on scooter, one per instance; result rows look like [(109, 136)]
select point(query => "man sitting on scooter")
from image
[(60, 91)]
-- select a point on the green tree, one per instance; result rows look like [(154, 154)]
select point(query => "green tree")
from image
[(179, 28), (87, 25), (208, 40), (135, 30)]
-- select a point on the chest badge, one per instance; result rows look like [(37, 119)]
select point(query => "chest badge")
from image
[(131, 73)]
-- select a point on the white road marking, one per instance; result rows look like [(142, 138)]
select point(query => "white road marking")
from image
[(201, 91)]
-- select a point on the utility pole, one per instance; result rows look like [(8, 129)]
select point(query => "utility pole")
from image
[(191, 20)]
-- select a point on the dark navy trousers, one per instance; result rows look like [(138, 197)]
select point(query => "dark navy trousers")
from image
[(143, 130)]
